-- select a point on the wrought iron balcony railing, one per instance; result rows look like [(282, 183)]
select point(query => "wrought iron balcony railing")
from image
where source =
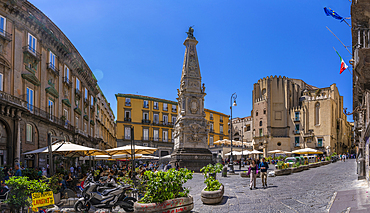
[(53, 69), (127, 119), (32, 52), (67, 81), (145, 121), (127, 103), (5, 35)]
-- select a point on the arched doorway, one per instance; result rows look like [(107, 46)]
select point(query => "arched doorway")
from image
[(3, 144)]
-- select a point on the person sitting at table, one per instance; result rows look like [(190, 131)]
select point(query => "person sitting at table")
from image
[(69, 180)]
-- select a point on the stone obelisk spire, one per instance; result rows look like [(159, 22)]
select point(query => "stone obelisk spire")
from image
[(190, 146)]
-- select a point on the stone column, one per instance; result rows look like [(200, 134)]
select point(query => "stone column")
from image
[(17, 121)]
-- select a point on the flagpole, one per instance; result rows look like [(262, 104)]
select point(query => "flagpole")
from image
[(339, 40), (348, 67)]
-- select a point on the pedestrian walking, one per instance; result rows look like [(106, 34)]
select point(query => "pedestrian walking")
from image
[(344, 158), (253, 171), (263, 166)]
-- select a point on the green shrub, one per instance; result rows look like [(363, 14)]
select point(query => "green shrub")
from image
[(21, 189), (296, 164), (30, 173), (327, 159), (212, 184), (167, 185)]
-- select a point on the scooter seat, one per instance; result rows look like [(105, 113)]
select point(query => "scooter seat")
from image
[(107, 191)]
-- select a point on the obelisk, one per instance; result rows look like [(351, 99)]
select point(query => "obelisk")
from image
[(190, 131)]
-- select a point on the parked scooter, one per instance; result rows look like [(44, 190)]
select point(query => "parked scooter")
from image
[(109, 198)]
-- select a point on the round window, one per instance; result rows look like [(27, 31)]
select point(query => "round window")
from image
[(279, 144)]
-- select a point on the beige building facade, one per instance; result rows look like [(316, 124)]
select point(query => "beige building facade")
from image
[(243, 131), (290, 114), (45, 87)]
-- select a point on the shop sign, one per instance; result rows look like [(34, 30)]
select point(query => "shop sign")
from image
[(29, 157), (42, 199)]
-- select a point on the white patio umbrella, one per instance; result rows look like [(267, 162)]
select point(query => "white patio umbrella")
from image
[(166, 157), (96, 157), (256, 152), (234, 153), (307, 151), (149, 157), (246, 152), (126, 156), (127, 150), (69, 149)]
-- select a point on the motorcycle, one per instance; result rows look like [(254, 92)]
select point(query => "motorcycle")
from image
[(109, 198)]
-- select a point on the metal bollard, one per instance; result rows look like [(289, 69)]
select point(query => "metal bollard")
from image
[(224, 171)]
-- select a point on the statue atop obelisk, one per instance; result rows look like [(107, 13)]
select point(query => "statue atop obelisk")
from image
[(190, 131)]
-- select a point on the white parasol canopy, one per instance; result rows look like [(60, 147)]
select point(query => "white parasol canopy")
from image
[(277, 152), (307, 151), (96, 157), (256, 152), (126, 156), (69, 149), (234, 153), (127, 150), (166, 157)]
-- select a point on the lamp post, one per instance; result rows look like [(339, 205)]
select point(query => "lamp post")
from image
[(233, 96)]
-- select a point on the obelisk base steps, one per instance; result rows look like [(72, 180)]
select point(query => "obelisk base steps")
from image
[(191, 158)]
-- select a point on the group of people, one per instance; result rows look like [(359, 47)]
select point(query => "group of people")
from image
[(253, 170)]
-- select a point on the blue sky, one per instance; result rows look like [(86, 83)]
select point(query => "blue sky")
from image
[(137, 47)]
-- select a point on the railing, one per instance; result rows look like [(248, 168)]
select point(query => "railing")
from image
[(145, 138), (363, 41), (212, 131), (127, 103), (7, 36), (46, 115), (127, 119), (155, 139), (13, 100), (155, 107), (31, 51), (166, 123), (146, 106), (145, 121), (52, 68), (67, 81), (78, 92), (165, 109), (155, 122), (79, 131)]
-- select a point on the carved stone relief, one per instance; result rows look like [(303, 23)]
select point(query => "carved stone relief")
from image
[(194, 106)]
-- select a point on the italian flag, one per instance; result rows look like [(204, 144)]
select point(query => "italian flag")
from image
[(343, 65)]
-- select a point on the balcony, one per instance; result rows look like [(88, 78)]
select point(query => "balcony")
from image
[(10, 99), (166, 123), (127, 119), (5, 35), (155, 122), (78, 92), (32, 52), (145, 121), (51, 67), (145, 138), (211, 131), (79, 131), (67, 82), (127, 103), (156, 139), (155, 107), (50, 117), (146, 106)]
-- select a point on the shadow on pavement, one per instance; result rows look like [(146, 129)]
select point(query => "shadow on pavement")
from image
[(223, 201)]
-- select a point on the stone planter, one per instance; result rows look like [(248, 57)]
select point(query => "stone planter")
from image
[(181, 204), (297, 169), (305, 167), (280, 172), (314, 165), (212, 197)]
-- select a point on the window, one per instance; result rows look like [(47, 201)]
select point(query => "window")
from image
[(256, 113), (127, 101), (65, 114), (86, 94), (264, 112), (77, 84), (296, 131), (145, 134), (261, 132), (1, 82), (296, 141), (221, 118), (165, 135), (211, 127), (91, 131), (30, 99), (146, 104), (50, 109), (211, 140), (29, 132), (51, 60), (97, 110), (211, 116), (32, 41), (127, 133), (91, 100), (155, 105), (248, 128), (155, 134), (85, 126), (2, 25), (260, 123), (165, 107), (319, 142), (173, 119), (155, 118), (317, 114), (145, 116), (66, 72), (127, 115), (174, 108), (76, 122), (296, 116), (165, 119), (279, 143), (221, 129)]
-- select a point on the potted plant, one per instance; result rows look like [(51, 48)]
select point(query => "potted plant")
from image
[(297, 168), (214, 190), (282, 168), (165, 193), (54, 185)]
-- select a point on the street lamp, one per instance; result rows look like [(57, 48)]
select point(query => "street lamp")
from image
[(233, 96)]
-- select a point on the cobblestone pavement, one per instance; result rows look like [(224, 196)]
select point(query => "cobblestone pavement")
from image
[(307, 191)]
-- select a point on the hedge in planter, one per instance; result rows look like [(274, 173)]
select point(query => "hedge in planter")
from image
[(214, 190), (164, 192)]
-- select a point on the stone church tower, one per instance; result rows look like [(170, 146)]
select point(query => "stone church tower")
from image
[(190, 146)]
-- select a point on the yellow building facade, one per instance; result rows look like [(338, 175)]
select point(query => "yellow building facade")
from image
[(153, 120)]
